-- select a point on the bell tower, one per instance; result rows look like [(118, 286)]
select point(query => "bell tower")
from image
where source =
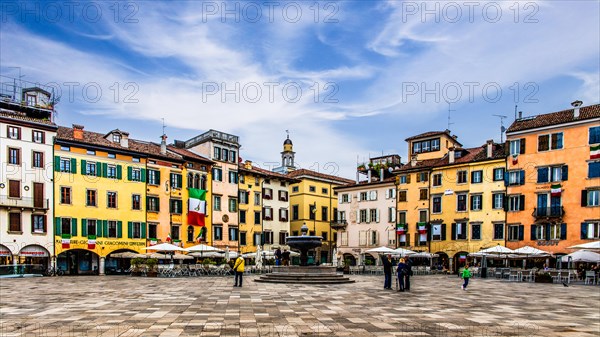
[(287, 156)]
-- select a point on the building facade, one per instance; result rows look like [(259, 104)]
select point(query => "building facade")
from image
[(26, 210), (553, 179)]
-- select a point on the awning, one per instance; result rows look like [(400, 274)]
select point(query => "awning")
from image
[(4, 251), (34, 251)]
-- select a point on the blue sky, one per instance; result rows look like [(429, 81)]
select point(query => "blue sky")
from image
[(370, 73)]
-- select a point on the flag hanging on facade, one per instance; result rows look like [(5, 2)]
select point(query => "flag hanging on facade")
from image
[(153, 242), (66, 241), (555, 190), (201, 235), (422, 229), (401, 229), (91, 241), (196, 207), (169, 237), (515, 159), (595, 152)]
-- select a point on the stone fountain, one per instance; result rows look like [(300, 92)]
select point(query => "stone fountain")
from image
[(304, 273)]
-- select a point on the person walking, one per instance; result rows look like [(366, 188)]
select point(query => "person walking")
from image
[(466, 275), (387, 271), (401, 271), (238, 268), (408, 273)]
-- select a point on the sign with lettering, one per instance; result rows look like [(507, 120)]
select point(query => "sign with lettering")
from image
[(547, 242), (448, 192), (5, 253)]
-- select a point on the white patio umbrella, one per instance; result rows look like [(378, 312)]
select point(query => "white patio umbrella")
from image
[(382, 250), (202, 248), (582, 256), (497, 250), (531, 251), (404, 252), (227, 254), (166, 247), (168, 256), (590, 245), (425, 255), (334, 258), (258, 259)]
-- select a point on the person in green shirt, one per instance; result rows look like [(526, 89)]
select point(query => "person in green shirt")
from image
[(466, 275)]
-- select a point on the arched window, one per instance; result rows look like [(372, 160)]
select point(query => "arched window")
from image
[(190, 234), (190, 180), (196, 181), (203, 182)]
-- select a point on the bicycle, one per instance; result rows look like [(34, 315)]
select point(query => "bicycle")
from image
[(54, 272)]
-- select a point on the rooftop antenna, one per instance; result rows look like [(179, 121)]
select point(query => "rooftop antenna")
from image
[(288, 133), (449, 110), (516, 111), (502, 128), (163, 125)]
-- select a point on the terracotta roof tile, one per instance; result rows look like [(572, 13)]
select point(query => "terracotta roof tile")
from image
[(190, 154), (366, 183), (555, 118), (261, 171), (310, 173), (23, 117)]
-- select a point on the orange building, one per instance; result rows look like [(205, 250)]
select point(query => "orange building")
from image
[(553, 179)]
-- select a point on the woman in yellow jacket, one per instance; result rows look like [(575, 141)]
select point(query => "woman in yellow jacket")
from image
[(238, 268)]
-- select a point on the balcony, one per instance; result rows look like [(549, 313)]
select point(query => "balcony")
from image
[(339, 224), (5, 201), (548, 212)]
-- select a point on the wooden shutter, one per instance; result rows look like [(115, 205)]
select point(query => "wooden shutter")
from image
[(584, 198), (130, 229), (522, 177), (522, 202), (533, 233), (522, 148), (105, 228), (408, 178), (453, 237), (565, 172), (563, 231), (584, 230), (119, 172), (143, 230), (521, 232), (129, 173), (56, 164), (73, 227), (104, 170), (143, 175), (443, 232), (83, 166), (57, 226), (84, 231), (73, 165), (119, 229)]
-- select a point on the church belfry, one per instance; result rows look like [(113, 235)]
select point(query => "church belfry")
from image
[(287, 156)]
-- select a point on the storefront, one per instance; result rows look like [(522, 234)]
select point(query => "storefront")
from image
[(78, 262), (5, 255), (35, 255)]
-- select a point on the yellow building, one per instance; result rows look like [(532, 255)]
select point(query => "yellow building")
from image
[(314, 202), (100, 189), (467, 203), (425, 151)]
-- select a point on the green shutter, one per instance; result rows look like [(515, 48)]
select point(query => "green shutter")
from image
[(105, 228), (179, 183), (119, 229), (56, 164), (73, 165), (103, 169), (143, 230), (129, 173), (119, 172), (57, 226), (83, 167), (158, 177), (84, 232), (130, 229), (73, 227), (143, 175)]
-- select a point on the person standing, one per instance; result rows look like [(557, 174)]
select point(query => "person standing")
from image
[(286, 257), (408, 273), (238, 268), (278, 257), (466, 275), (387, 271), (401, 271)]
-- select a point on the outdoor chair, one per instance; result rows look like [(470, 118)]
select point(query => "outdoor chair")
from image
[(498, 272), (513, 275), (590, 277), (528, 275), (555, 275)]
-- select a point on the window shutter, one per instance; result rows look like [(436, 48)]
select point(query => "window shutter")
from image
[(157, 174), (542, 175), (522, 143), (129, 173), (339, 198), (584, 198), (57, 226), (143, 175), (84, 232), (453, 231), (428, 226), (83, 166), (418, 177), (73, 165), (358, 196), (521, 232), (533, 234), (105, 228), (522, 177), (119, 229), (103, 170), (179, 178), (584, 230), (443, 232), (408, 178), (377, 215), (506, 178), (547, 231), (130, 229), (522, 202), (473, 176), (358, 216), (471, 201), (563, 231), (387, 194), (73, 227), (143, 230), (565, 172), (505, 202), (56, 164)]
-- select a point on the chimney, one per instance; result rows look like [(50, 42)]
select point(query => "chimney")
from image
[(248, 165), (78, 131), (413, 160), (576, 106), (520, 115), (124, 139), (490, 148), (163, 144), (451, 155), (357, 177)]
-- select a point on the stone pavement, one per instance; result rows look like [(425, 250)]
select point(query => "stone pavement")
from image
[(210, 306)]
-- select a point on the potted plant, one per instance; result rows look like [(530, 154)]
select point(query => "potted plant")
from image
[(152, 269), (136, 264), (542, 277)]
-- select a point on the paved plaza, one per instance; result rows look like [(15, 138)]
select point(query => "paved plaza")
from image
[(210, 306)]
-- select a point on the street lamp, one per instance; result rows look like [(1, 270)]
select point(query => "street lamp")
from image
[(396, 183), (314, 211)]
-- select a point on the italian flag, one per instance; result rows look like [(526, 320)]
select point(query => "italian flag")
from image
[(555, 190), (422, 229), (401, 229), (201, 235), (153, 242), (66, 241), (91, 241), (196, 207), (169, 237), (595, 152)]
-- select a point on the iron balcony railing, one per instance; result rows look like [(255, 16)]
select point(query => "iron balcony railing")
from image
[(24, 202), (549, 212), (339, 224)]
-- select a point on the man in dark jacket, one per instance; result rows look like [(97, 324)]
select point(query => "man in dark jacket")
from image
[(409, 273), (387, 271)]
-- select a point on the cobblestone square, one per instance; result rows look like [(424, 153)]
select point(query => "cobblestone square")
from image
[(211, 306)]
